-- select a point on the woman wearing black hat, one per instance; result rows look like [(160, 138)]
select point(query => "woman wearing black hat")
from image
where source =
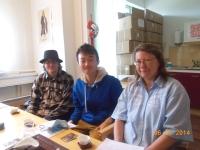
[(51, 91)]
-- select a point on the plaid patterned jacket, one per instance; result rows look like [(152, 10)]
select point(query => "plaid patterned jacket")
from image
[(51, 97)]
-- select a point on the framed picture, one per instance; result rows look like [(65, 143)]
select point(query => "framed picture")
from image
[(44, 21)]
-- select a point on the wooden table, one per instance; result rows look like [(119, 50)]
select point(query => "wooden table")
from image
[(14, 125)]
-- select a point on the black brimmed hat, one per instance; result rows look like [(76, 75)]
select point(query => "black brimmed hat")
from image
[(51, 54)]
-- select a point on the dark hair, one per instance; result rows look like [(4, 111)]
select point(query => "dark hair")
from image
[(87, 49), (59, 67), (154, 50)]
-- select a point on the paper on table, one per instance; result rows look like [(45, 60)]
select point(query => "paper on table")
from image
[(114, 145), (44, 128)]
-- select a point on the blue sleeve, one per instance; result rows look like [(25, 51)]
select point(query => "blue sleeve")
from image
[(76, 115), (116, 90)]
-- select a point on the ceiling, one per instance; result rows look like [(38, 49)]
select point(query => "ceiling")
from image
[(180, 8)]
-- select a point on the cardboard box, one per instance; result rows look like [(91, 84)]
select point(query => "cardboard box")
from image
[(151, 37), (126, 46), (158, 45), (153, 27), (129, 34), (125, 59), (137, 13), (132, 34), (192, 31), (126, 70), (153, 16), (122, 15), (129, 22)]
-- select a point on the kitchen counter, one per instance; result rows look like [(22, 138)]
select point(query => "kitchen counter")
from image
[(184, 70)]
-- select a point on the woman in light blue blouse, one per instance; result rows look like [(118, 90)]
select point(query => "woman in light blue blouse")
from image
[(153, 111)]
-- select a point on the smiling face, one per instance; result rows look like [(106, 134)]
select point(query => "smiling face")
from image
[(51, 66), (88, 63), (146, 65)]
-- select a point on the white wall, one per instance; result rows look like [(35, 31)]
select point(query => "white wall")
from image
[(73, 33), (55, 38), (75, 16), (69, 34), (176, 13)]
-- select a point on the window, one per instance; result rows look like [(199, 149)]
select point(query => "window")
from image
[(16, 59), (16, 36)]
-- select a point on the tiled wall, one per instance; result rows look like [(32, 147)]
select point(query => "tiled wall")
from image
[(183, 55)]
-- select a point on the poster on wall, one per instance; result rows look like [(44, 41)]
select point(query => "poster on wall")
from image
[(44, 21), (192, 31)]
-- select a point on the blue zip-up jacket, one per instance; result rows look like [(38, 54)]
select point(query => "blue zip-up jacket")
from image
[(95, 103)]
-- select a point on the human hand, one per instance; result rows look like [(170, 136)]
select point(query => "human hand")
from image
[(70, 122), (106, 123)]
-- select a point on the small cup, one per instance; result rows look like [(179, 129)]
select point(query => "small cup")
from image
[(29, 123), (29, 127), (84, 141), (14, 110)]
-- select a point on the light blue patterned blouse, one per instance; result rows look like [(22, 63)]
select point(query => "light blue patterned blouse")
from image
[(164, 109)]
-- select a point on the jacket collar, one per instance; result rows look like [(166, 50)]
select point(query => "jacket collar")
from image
[(101, 73)]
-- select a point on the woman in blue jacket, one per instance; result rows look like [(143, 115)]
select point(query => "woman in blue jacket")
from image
[(95, 94)]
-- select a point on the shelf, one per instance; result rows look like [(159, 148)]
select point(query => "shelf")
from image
[(191, 43)]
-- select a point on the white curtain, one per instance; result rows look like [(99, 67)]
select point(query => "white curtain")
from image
[(8, 42), (15, 36)]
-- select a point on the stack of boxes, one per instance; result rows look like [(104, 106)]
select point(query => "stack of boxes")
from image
[(138, 27), (153, 28), (129, 35)]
